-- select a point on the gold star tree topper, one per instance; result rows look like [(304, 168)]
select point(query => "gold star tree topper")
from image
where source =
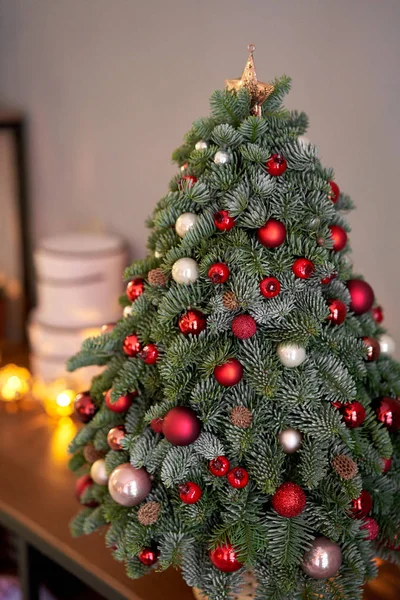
[(258, 91)]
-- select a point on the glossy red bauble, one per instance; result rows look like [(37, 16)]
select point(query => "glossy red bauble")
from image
[(353, 414), (157, 425), (272, 234), (193, 321), (189, 180), (244, 327), (224, 558), (328, 278), (115, 437), (122, 404), (238, 477), (377, 314), (230, 373), (372, 528), (190, 492), (361, 294), (84, 407), (135, 288), (270, 287), (303, 268), (386, 464), (219, 466), (181, 426), (289, 500), (373, 348), (276, 165), (148, 556), (132, 345), (81, 485), (388, 412), (335, 191), (218, 273), (338, 311), (149, 354), (223, 221), (339, 237), (361, 506)]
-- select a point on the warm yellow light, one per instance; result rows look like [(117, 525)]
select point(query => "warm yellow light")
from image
[(65, 398), (61, 438), (14, 382)]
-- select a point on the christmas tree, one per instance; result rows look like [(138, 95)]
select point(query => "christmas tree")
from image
[(246, 417)]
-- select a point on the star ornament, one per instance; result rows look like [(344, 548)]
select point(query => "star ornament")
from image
[(258, 91)]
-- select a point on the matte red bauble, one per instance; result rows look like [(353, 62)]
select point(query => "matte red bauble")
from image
[(386, 464), (148, 556), (361, 506), (272, 234), (115, 437), (181, 426), (82, 484), (377, 314), (230, 373), (328, 278), (157, 425), (84, 407), (224, 558), (303, 268), (122, 404), (276, 165), (193, 321), (338, 311), (135, 288), (289, 500), (388, 412), (335, 191), (132, 346), (238, 477), (223, 221), (190, 492), (270, 287), (372, 528), (149, 354), (219, 466), (244, 327), (373, 348), (190, 180), (361, 294), (339, 237), (218, 273), (353, 414)]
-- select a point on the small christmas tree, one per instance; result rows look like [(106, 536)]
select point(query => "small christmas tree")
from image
[(246, 418)]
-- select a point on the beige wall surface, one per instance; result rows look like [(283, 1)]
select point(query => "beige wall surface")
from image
[(111, 86)]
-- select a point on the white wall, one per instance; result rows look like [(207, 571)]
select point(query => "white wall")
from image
[(111, 86)]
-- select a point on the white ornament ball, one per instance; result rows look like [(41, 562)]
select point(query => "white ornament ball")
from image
[(157, 254), (98, 472), (387, 344), (185, 222), (201, 145), (290, 439), (222, 157), (291, 355), (304, 141), (127, 311), (185, 270)]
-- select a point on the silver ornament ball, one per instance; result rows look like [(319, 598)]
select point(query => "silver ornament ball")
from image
[(98, 472), (291, 355), (222, 157), (129, 486), (387, 345), (184, 223), (201, 145), (323, 560), (290, 439), (127, 311), (185, 270)]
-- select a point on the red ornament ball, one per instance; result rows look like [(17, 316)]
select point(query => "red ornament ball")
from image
[(276, 165), (272, 234), (377, 314), (328, 278), (122, 404), (135, 288), (115, 436), (289, 500), (270, 287), (190, 492), (223, 221), (303, 268), (224, 558), (181, 426), (219, 466), (353, 414), (386, 464), (238, 477), (339, 237), (338, 312), (157, 425), (193, 321), (149, 354), (335, 191), (190, 180), (148, 556), (84, 407), (372, 528), (244, 327), (132, 345), (81, 485), (373, 348), (361, 294), (218, 273), (388, 412), (361, 506), (230, 373)]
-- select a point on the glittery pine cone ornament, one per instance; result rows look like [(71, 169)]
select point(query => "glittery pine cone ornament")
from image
[(91, 454), (344, 466), (230, 301), (148, 513), (157, 278), (241, 417)]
